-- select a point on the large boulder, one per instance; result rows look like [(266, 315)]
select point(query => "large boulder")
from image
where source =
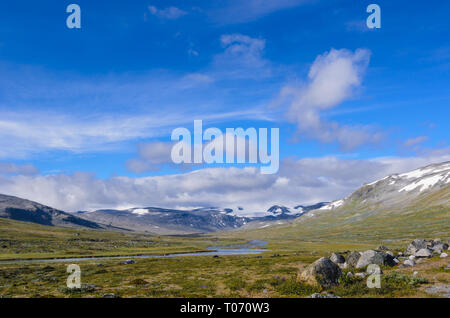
[(323, 273), (352, 259), (375, 257), (415, 246), (389, 259), (337, 258), (424, 253)]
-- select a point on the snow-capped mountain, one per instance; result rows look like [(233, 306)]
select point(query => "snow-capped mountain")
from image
[(174, 221), (399, 190), (167, 221)]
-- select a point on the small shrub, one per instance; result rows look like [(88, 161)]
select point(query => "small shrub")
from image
[(292, 287)]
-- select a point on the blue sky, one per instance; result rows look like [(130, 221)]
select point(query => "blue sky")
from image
[(95, 101)]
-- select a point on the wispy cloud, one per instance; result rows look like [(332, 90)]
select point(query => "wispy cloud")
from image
[(11, 168), (243, 58), (81, 114), (238, 11), (411, 142), (24, 135), (170, 13)]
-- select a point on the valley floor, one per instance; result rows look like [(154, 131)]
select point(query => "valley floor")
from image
[(271, 274)]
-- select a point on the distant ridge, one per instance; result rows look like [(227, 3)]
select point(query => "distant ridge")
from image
[(28, 211)]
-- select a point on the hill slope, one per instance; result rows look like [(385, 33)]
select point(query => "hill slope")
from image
[(28, 211), (395, 209)]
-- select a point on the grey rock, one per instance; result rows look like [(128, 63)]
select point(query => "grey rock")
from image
[(127, 262), (423, 253), (436, 241), (322, 272), (409, 263), (353, 258), (412, 257), (389, 260), (444, 255), (439, 248), (337, 258), (361, 275), (343, 265), (109, 296), (375, 257), (382, 248), (415, 246), (350, 274), (390, 253)]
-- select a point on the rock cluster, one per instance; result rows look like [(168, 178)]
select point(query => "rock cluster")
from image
[(422, 248), (326, 272)]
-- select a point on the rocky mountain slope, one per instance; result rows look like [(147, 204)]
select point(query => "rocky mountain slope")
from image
[(28, 211), (397, 207), (400, 190)]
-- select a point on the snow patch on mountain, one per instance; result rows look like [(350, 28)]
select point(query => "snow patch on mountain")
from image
[(332, 205), (419, 173), (140, 211), (427, 182)]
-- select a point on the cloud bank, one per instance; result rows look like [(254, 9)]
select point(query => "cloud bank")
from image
[(304, 181)]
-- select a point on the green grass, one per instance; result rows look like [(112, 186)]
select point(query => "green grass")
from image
[(20, 240)]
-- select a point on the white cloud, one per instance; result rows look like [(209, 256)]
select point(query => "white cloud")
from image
[(239, 11), (298, 182), (333, 78), (23, 135), (10, 168), (153, 155), (170, 13), (242, 58), (415, 141)]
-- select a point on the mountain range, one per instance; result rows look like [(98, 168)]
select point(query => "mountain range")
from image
[(424, 187)]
